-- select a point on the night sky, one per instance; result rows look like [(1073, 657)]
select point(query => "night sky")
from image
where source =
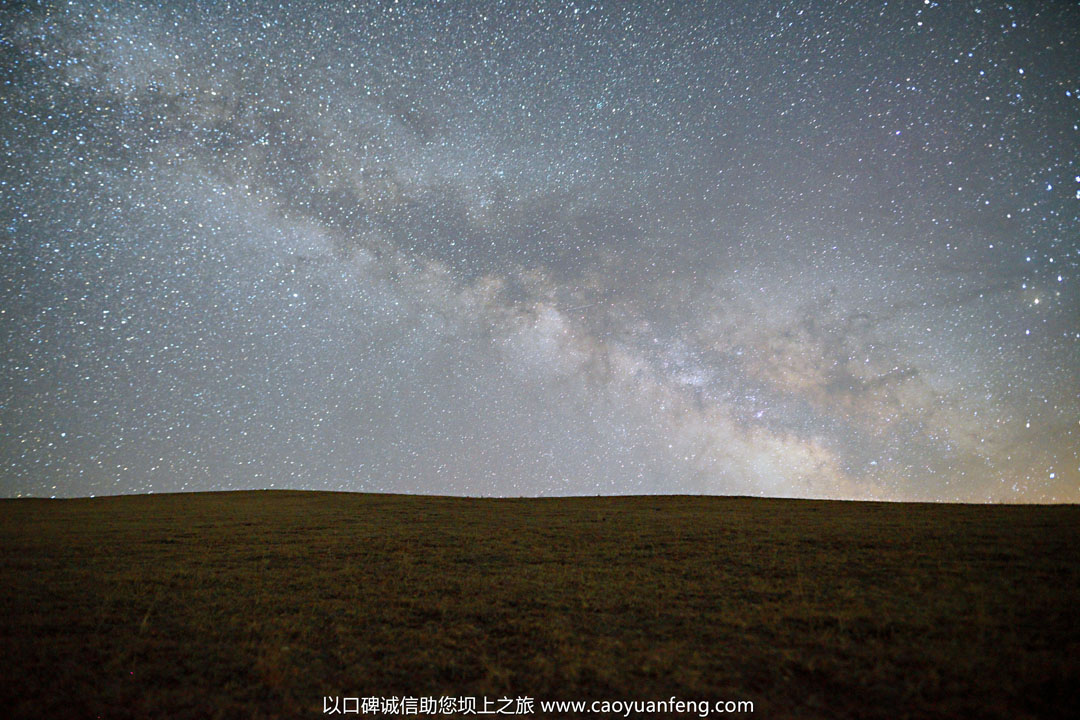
[(469, 248)]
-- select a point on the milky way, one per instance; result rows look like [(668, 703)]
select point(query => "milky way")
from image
[(794, 249)]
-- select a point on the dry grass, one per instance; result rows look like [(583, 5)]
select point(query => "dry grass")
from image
[(259, 603)]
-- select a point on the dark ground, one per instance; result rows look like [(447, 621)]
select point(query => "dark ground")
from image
[(258, 604)]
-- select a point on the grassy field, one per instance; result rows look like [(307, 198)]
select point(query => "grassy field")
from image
[(259, 604)]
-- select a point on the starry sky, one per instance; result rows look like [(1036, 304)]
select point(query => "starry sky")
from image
[(786, 249)]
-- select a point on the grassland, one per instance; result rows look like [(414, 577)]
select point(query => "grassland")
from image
[(257, 604)]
